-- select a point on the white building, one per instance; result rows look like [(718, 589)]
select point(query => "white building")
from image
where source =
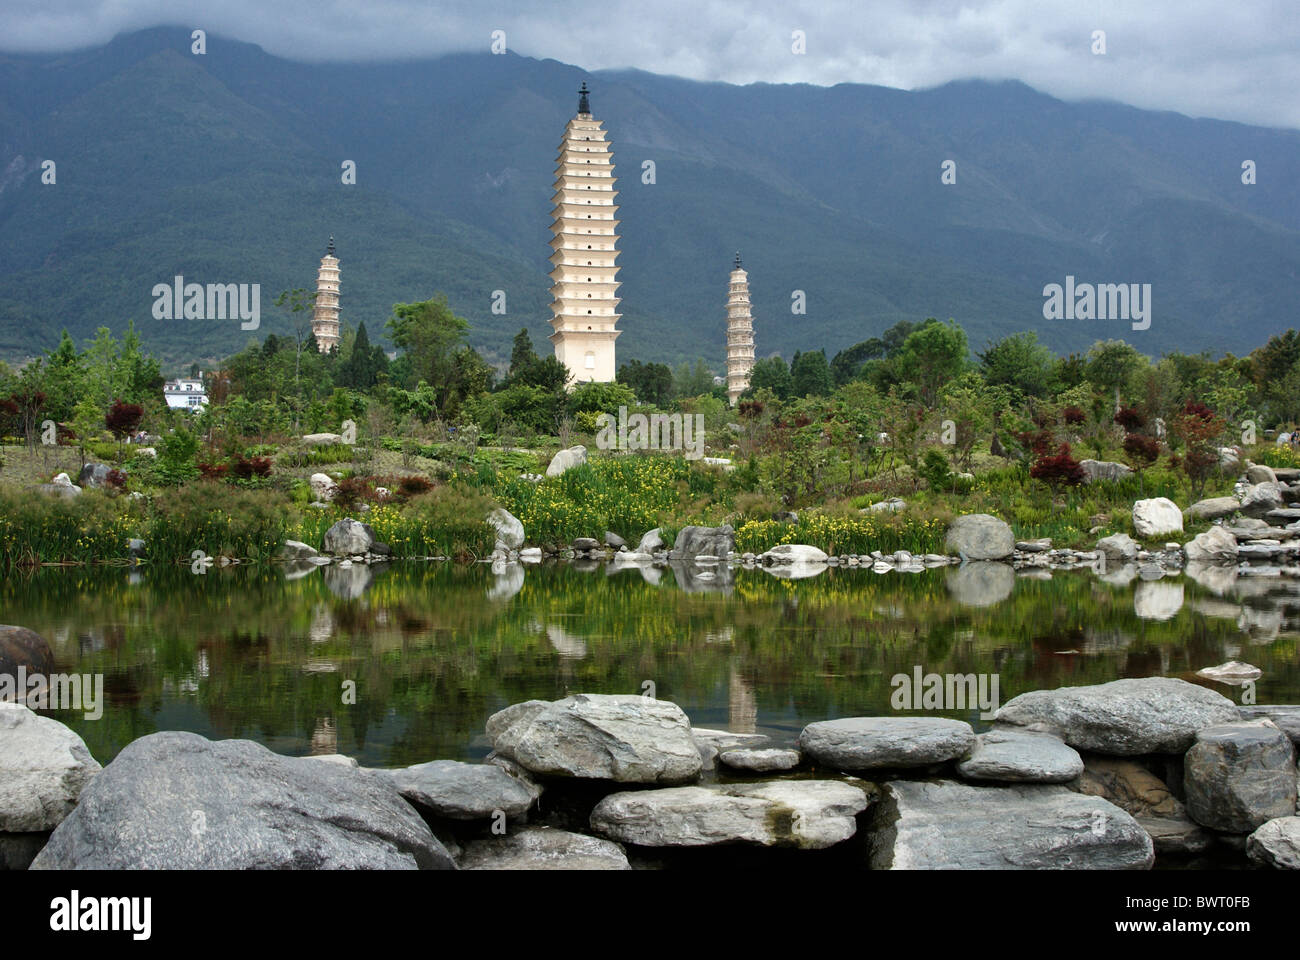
[(584, 248), (184, 394)]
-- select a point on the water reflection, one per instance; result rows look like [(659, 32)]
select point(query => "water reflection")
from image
[(431, 650)]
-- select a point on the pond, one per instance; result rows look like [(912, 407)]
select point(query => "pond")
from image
[(404, 662)]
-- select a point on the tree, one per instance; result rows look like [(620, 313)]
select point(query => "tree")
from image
[(810, 375), (364, 363), (301, 305), (522, 354), (1111, 363), (1019, 361), (430, 335), (692, 381), (652, 382), (122, 421), (770, 373), (1199, 430), (931, 356), (848, 363)]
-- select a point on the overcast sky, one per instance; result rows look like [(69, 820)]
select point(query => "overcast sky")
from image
[(1237, 60)]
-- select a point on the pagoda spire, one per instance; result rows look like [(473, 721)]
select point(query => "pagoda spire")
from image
[(584, 241), (325, 314), (740, 334)]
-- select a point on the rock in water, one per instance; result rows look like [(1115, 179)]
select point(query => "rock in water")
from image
[(1286, 717), (807, 814), (348, 538), (1144, 796), (177, 801), (1260, 498), (694, 542), (1017, 757), (44, 767), (463, 791), (979, 536), (510, 531), (624, 738), (544, 848), (1276, 844), (565, 459), (1234, 672), (753, 760), (1238, 776), (872, 743), (794, 553), (924, 825), (297, 550), (1157, 517), (650, 542), (1118, 546), (1124, 717), (20, 647), (1215, 545)]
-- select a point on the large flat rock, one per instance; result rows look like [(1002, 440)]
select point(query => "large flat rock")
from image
[(624, 738), (177, 801), (44, 767), (980, 536), (1285, 716), (945, 825), (806, 814), (1015, 756), (463, 791), (543, 848), (1123, 717), (874, 743)]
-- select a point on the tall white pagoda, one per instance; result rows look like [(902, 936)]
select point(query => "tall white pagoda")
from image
[(740, 334), (325, 316), (583, 245)]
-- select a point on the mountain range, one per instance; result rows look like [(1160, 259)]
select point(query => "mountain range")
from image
[(226, 167)]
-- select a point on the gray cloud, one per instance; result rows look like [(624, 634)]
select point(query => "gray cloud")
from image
[(1200, 57)]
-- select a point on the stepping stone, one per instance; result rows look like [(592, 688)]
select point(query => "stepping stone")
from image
[(873, 743), (1019, 757), (543, 848)]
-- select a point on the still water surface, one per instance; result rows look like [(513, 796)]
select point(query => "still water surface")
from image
[(434, 649)]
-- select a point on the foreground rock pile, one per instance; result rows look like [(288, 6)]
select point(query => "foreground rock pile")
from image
[(1096, 777)]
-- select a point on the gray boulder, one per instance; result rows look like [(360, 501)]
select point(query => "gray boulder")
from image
[(1139, 792), (979, 536), (1123, 717), (757, 760), (463, 791), (94, 475), (297, 550), (1261, 498), (925, 825), (1213, 508), (1097, 470), (1238, 776), (694, 542), (44, 767), (1015, 756), (1259, 473), (1157, 517), (1276, 844), (177, 801), (348, 538), (323, 487), (624, 738), (20, 647), (650, 542), (872, 743), (1215, 545), (567, 459), (794, 553), (543, 848), (806, 814), (509, 529)]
